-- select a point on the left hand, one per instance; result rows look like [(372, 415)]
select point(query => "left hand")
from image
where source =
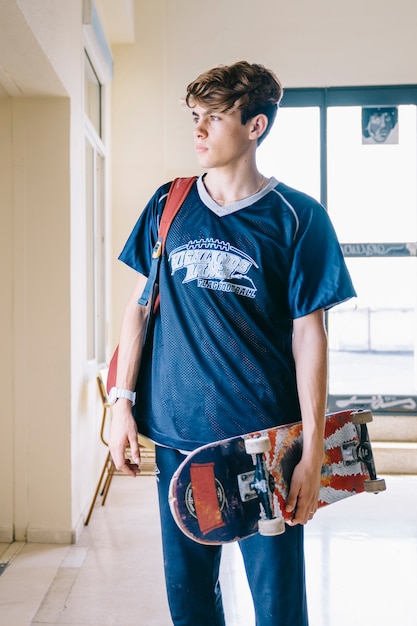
[(303, 496)]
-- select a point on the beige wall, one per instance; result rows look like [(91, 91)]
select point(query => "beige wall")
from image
[(308, 44), (6, 321), (36, 361), (50, 455), (41, 314)]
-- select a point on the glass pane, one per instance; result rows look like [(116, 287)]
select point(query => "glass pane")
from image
[(372, 187), (92, 95), (100, 262), (291, 151), (372, 339), (372, 199), (95, 251), (90, 228)]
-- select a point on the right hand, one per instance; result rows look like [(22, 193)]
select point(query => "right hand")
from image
[(124, 434)]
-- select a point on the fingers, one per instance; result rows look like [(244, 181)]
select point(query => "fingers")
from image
[(134, 448), (129, 466), (304, 509), (125, 465), (301, 515), (123, 435), (291, 504), (302, 503), (131, 469)]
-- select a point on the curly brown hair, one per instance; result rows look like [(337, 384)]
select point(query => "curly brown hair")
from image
[(251, 88)]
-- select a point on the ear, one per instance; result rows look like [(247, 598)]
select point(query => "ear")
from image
[(257, 126)]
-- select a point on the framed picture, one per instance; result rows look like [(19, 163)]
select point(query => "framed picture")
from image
[(380, 125)]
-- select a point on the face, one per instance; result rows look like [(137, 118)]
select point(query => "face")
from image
[(220, 139), (380, 126)]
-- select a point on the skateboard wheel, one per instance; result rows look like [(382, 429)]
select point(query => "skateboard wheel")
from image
[(362, 417), (271, 527), (375, 486), (257, 445)]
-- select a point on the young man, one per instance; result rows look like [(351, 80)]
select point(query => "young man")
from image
[(239, 343)]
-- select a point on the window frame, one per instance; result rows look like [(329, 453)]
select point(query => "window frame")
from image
[(98, 59), (378, 95)]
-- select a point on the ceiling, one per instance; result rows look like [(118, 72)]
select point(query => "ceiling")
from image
[(25, 69)]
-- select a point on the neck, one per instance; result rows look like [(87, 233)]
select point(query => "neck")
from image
[(227, 190)]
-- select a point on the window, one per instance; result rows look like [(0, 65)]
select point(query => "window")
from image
[(369, 186), (98, 72), (95, 217), (92, 95)]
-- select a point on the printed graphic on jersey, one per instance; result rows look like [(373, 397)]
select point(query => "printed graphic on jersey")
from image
[(214, 265)]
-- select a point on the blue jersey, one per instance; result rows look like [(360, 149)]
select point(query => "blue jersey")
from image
[(232, 280)]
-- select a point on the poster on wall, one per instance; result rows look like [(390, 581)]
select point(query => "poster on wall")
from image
[(380, 125)]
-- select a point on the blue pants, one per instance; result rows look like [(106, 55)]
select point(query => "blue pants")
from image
[(274, 568)]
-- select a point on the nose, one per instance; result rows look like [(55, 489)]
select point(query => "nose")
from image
[(199, 129)]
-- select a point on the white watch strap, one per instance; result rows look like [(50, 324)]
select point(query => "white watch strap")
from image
[(116, 393)]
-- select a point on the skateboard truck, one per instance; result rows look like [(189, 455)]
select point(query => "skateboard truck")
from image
[(363, 452), (260, 487), (245, 483)]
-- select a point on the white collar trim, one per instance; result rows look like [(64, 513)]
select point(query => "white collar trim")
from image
[(222, 211)]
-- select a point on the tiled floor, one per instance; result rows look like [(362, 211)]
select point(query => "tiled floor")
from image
[(361, 566)]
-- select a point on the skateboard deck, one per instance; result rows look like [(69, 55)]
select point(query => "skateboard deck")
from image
[(231, 489)]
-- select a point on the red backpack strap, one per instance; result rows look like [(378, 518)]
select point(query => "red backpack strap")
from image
[(112, 373), (176, 196)]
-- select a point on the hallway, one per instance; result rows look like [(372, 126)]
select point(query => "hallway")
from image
[(361, 566)]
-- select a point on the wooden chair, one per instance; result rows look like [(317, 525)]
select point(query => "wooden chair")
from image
[(147, 451)]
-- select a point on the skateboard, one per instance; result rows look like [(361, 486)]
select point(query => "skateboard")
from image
[(231, 489)]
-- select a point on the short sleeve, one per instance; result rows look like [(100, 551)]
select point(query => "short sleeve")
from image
[(319, 277), (137, 251)]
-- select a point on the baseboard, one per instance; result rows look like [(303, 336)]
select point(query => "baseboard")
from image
[(41, 535)]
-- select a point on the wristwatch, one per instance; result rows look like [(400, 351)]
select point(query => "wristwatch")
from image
[(116, 393)]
